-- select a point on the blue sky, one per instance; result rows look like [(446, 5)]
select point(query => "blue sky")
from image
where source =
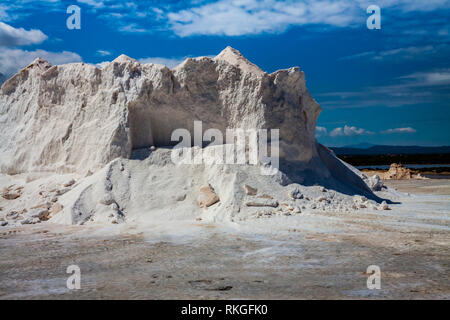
[(387, 86)]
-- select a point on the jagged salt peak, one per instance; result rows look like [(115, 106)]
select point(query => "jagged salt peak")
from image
[(229, 55), (234, 57), (123, 59), (40, 63)]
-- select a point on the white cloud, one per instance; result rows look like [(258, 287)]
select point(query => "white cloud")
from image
[(432, 78), (246, 17), (228, 17), (93, 3), (397, 54), (101, 65), (321, 131), (349, 132), (15, 59), (399, 130), (10, 36), (103, 53), (133, 28), (3, 15), (169, 62)]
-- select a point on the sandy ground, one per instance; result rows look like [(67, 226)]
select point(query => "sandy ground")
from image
[(320, 256), (438, 186)]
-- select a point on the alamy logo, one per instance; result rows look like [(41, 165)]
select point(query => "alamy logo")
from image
[(374, 20), (243, 146), (74, 281), (74, 20), (374, 280)]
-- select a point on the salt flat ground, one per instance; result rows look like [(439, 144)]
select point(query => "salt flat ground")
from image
[(316, 256)]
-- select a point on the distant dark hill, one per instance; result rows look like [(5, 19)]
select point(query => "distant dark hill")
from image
[(385, 155), (363, 145), (390, 150)]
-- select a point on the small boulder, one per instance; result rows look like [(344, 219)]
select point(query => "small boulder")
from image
[(69, 183), (375, 183), (12, 215), (62, 191), (357, 199), (41, 214), (207, 197), (384, 206), (250, 191), (262, 203), (10, 195), (30, 220), (295, 194)]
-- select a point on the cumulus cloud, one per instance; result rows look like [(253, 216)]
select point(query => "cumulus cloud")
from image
[(16, 59), (345, 131), (321, 131), (11, 37), (247, 17), (399, 130), (169, 62), (348, 131), (228, 17), (103, 64)]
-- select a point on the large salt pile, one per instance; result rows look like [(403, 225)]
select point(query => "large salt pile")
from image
[(75, 144)]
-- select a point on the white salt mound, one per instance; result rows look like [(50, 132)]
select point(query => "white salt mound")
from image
[(92, 145)]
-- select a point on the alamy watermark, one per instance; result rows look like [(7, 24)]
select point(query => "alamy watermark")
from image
[(374, 20), (374, 280), (74, 281), (243, 146), (74, 20)]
